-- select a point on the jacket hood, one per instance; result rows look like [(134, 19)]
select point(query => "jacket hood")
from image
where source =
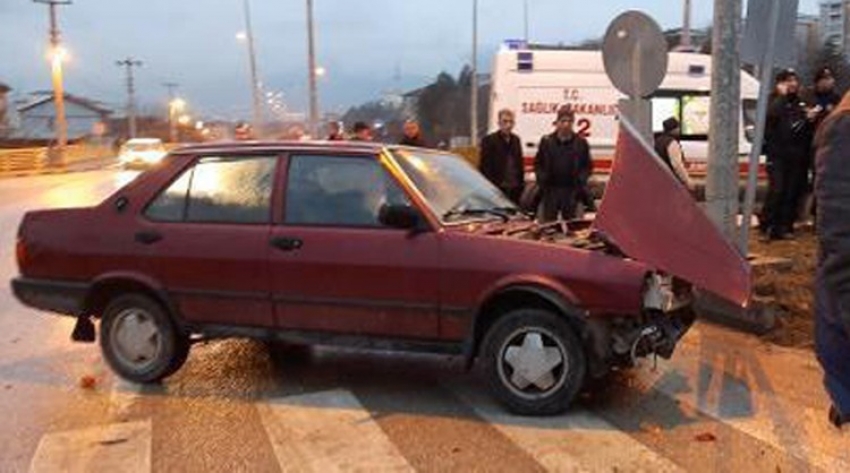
[(652, 217)]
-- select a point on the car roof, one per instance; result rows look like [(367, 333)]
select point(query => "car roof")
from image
[(282, 146)]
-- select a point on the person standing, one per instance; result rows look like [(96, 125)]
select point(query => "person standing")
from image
[(561, 166), (412, 135), (824, 99), (789, 138), (501, 157), (361, 132), (335, 131), (669, 149), (832, 281)]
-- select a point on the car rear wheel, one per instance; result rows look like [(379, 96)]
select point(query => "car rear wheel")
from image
[(534, 362), (140, 341)]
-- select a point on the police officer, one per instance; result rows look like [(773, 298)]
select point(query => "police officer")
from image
[(562, 167), (790, 126)]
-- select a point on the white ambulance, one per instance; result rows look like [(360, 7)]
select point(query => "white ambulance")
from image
[(536, 82)]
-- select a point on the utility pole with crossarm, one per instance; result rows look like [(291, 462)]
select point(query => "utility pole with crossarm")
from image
[(129, 64), (57, 56)]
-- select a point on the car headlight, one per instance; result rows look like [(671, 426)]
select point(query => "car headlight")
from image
[(659, 294)]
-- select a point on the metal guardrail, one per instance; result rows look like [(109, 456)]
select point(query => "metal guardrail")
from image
[(35, 160), (22, 160)]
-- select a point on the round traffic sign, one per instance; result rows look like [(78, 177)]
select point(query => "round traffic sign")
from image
[(635, 54)]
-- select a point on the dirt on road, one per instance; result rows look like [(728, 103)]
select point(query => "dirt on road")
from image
[(789, 290)]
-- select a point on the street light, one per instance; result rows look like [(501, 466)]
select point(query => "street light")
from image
[(248, 37), (184, 120), (175, 106), (321, 71)]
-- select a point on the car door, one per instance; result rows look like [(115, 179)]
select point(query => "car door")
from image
[(335, 268), (207, 236)]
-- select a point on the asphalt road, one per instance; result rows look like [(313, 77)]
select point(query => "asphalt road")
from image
[(726, 402)]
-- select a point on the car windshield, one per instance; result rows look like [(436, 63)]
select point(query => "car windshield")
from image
[(455, 191)]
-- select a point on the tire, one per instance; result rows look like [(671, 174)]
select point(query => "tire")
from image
[(147, 359), (537, 339)]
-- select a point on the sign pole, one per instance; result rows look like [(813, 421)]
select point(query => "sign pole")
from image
[(766, 69)]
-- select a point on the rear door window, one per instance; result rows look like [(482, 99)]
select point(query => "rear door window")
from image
[(219, 190)]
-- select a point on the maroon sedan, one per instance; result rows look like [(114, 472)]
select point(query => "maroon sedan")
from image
[(322, 243)]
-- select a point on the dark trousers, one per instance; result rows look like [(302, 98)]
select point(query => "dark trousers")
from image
[(558, 202), (513, 193), (832, 345), (785, 187)]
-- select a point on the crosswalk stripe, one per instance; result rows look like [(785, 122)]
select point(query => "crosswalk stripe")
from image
[(326, 432), (124, 447), (737, 389), (577, 441)]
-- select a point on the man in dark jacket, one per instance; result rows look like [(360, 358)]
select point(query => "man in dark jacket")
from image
[(789, 130), (412, 135), (669, 149), (832, 283), (501, 157), (562, 167)]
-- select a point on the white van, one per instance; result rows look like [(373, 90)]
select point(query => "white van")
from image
[(536, 82)]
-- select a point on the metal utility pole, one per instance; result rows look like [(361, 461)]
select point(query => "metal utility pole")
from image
[(172, 124), (256, 100), (685, 43), (722, 180), (57, 55), (473, 134), (129, 64), (311, 66)]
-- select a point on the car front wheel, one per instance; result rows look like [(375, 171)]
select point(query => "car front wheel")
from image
[(534, 362), (139, 341)]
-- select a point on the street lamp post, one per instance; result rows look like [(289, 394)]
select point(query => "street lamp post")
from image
[(57, 56), (311, 72), (256, 107), (175, 106), (473, 134), (172, 130)]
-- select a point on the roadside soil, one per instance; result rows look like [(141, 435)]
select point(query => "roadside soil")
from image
[(789, 290)]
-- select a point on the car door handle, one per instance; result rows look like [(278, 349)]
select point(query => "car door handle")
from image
[(148, 237), (286, 243)]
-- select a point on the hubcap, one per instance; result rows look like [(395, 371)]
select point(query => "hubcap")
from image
[(533, 363), (135, 338)]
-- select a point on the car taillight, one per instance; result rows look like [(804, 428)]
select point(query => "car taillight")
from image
[(21, 253)]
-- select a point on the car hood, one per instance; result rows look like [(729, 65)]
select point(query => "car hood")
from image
[(651, 216)]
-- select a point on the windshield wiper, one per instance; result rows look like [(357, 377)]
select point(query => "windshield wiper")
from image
[(503, 213)]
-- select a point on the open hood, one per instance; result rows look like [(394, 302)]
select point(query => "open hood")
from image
[(652, 217)]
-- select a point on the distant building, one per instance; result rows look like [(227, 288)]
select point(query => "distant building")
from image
[(37, 117), (835, 23), (807, 43)]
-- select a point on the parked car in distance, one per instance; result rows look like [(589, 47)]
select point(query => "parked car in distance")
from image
[(141, 153), (348, 243)]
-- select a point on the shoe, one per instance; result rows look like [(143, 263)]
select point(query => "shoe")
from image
[(835, 417)]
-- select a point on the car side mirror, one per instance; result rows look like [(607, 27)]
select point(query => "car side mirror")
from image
[(401, 216)]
